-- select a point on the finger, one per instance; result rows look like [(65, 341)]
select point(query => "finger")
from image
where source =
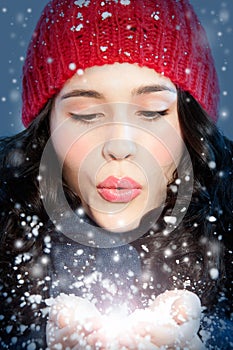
[(64, 318), (102, 341), (170, 334), (86, 324), (146, 324), (97, 340), (181, 305), (77, 307), (64, 336), (82, 347), (128, 340), (65, 340), (186, 307), (69, 334), (164, 333), (168, 297), (145, 328), (136, 342)]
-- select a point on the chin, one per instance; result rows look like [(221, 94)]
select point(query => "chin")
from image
[(120, 229), (117, 226)]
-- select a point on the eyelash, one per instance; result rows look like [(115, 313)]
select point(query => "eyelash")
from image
[(91, 118), (152, 115), (86, 118)]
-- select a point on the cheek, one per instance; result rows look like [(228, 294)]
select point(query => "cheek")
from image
[(167, 153), (168, 146), (71, 156), (77, 153), (69, 144)]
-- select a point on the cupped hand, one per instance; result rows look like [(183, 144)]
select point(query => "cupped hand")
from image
[(71, 320), (75, 323), (171, 321)]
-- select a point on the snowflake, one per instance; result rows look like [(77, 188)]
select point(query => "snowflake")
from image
[(80, 16), (155, 15), (125, 2), (76, 28), (212, 219), (170, 219), (35, 298), (81, 3), (103, 48), (212, 164), (214, 273), (80, 72), (106, 14)]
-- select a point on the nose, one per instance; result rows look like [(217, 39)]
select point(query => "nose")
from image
[(119, 149)]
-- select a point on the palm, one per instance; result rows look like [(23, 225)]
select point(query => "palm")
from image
[(171, 320)]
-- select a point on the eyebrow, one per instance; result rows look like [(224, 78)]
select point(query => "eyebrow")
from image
[(152, 88), (83, 93), (95, 94)]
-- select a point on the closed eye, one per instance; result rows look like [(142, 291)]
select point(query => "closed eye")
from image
[(86, 118), (151, 115)]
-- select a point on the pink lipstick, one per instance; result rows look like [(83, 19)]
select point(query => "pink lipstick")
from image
[(119, 190)]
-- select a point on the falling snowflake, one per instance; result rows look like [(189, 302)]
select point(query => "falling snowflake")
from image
[(72, 66), (214, 273), (212, 218)]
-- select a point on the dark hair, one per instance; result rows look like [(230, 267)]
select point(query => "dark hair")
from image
[(201, 243), (197, 244)]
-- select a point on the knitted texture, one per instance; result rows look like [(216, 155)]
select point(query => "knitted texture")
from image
[(163, 35)]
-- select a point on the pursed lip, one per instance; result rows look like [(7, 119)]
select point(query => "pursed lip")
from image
[(119, 190)]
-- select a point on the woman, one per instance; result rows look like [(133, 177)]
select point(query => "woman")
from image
[(115, 193)]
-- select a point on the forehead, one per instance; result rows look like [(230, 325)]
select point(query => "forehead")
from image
[(125, 75)]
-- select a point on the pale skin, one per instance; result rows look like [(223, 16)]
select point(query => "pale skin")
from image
[(117, 120), (120, 120), (172, 320)]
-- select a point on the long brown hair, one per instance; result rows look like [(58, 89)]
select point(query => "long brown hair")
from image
[(198, 244)]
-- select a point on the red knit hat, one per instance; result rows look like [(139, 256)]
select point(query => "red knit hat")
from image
[(161, 34)]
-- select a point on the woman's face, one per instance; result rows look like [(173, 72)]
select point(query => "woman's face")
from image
[(115, 129)]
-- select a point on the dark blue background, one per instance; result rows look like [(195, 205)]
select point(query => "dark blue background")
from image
[(18, 19)]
